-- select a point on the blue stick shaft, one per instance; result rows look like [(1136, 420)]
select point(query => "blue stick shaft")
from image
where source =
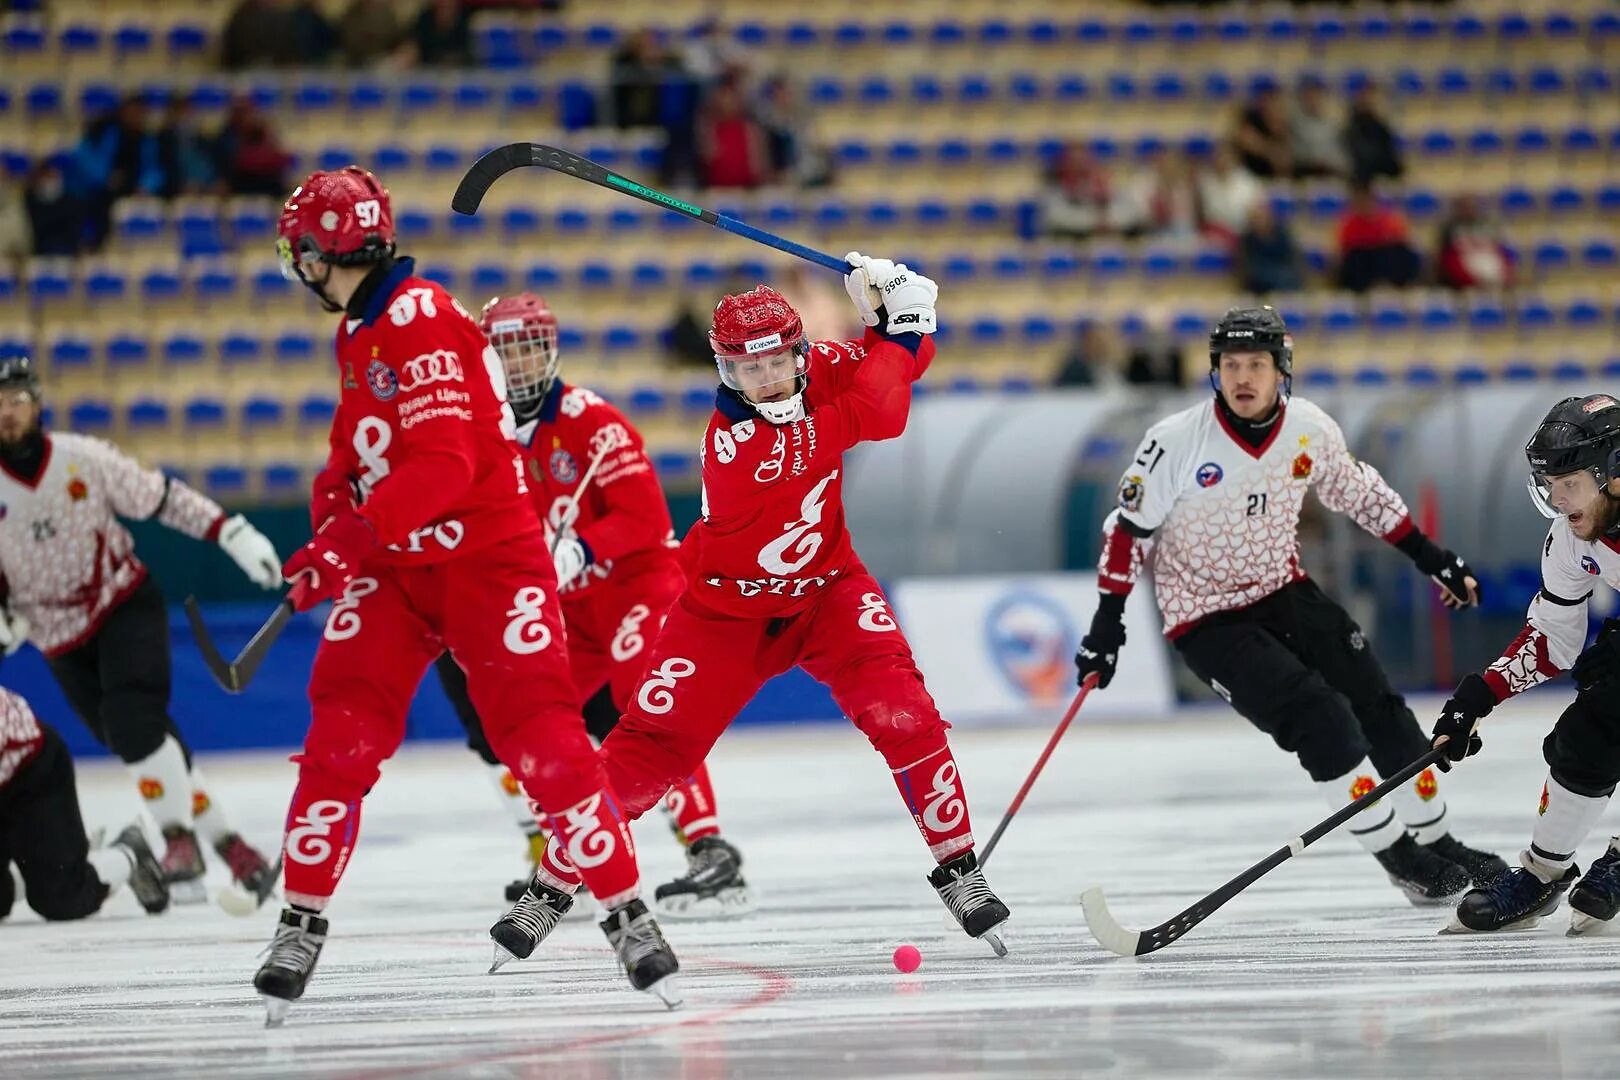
[(760, 236)]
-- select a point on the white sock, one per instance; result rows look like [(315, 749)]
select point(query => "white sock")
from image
[(164, 786), (112, 865), (208, 815), (513, 799), (1565, 820), (1421, 808), (1376, 827)]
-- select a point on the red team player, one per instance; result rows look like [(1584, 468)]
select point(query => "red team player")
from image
[(774, 583), (618, 572), (426, 540)]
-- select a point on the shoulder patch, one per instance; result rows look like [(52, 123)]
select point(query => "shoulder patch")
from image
[(1131, 493), (1209, 474), (382, 380)]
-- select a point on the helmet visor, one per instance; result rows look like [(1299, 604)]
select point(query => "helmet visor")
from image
[(766, 376), (528, 353)]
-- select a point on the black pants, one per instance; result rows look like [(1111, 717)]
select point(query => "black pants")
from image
[(42, 831), (118, 681), (1299, 668), (600, 712), (1583, 748)]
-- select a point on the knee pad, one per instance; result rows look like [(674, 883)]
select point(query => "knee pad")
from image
[(1579, 758), (1320, 730), (349, 746), (903, 725)]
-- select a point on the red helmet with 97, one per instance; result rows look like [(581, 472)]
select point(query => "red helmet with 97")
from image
[(762, 353), (341, 218), (523, 331)]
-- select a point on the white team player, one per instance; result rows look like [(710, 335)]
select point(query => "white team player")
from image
[(1575, 479), (1211, 504), (71, 584)]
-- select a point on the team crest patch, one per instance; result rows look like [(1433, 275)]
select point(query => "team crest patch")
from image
[(1302, 466), (1360, 786), (77, 489), (150, 788), (1130, 493), (564, 469), (1590, 565), (1426, 784), (1209, 474), (509, 784), (199, 803), (1357, 641), (382, 380)]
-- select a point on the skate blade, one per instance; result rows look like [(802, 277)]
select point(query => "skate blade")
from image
[(275, 1010), (731, 903), (992, 938), (1529, 922), (503, 956), (1584, 925), (667, 990)]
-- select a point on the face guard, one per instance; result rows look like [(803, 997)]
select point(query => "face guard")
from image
[(523, 330), (761, 350)]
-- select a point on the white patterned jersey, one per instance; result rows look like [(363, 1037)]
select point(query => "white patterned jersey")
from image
[(1555, 626), (1217, 520), (65, 558), (20, 736)]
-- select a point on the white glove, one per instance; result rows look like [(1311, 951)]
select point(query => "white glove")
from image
[(569, 559), (14, 631), (252, 551), (861, 284), (906, 296)]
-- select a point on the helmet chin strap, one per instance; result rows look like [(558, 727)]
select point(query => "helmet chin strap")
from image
[(319, 287), (787, 411)]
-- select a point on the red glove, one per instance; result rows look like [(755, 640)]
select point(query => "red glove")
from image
[(326, 565), (331, 493)]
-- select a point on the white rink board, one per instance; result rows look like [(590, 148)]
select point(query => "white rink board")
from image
[(1320, 970), (1000, 647)]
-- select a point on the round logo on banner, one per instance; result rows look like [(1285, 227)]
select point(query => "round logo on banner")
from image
[(1032, 642)]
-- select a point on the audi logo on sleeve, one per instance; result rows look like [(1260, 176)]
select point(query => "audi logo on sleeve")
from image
[(440, 365)]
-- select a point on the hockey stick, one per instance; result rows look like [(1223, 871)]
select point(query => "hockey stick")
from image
[(1114, 937), (234, 675), (502, 160), (1051, 744), (571, 514)]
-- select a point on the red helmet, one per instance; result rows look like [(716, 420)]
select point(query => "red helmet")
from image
[(761, 351), (343, 218), (524, 332)]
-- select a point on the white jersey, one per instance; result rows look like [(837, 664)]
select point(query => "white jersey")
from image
[(1555, 626), (65, 559), (1217, 520), (20, 736)]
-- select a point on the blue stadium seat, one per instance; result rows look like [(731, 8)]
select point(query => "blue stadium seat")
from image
[(315, 96), (1535, 314), (649, 275), (262, 411), (185, 40), (138, 221), (210, 96), (519, 221), (145, 414), (184, 348), (539, 277), (1070, 88), (1551, 255), (1482, 141), (132, 39), (294, 347), (1454, 82), (1512, 26), (316, 410), (125, 350), (489, 278), (1486, 316), (1565, 199), (225, 480), (1598, 254), (1532, 139), (420, 95), (239, 347), (801, 34), (1339, 319), (754, 35), (268, 284), (473, 94), (1388, 317), (43, 100), (647, 398), (252, 220), (160, 284), (1094, 32), (24, 38), (90, 415), (78, 39), (1516, 200), (71, 351), (216, 283), (675, 464), (106, 284)]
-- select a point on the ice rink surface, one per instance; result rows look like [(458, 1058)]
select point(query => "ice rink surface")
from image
[(1320, 970)]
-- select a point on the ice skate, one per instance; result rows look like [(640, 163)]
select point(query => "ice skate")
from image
[(645, 955), (1516, 900), (183, 866), (1483, 867), (961, 885), (1425, 877), (293, 952), (1596, 897), (146, 878), (713, 887), (535, 915), (254, 879)]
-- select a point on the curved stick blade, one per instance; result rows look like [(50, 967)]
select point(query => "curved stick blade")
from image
[(485, 171), (217, 665), (1109, 934)]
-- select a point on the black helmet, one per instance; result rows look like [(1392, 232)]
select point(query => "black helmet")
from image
[(1579, 434), (17, 373), (1256, 329)]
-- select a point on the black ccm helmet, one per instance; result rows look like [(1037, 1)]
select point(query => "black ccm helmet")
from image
[(1579, 434), (1255, 329), (17, 372)]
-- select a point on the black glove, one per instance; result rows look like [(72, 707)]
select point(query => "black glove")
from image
[(1099, 649), (1446, 568), (1601, 660), (1471, 703)]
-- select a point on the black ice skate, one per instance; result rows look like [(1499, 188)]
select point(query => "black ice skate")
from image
[(1516, 900), (293, 952), (146, 875), (643, 952), (713, 887), (254, 877), (532, 919), (183, 865), (1595, 899), (960, 883), (1483, 867), (1425, 878)]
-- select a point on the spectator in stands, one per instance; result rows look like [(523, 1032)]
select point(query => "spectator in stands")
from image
[(1472, 253), (1268, 257), (1315, 139), (709, 56), (639, 69), (1227, 194), (1374, 245), (1161, 200), (251, 159), (782, 114), (16, 234), (368, 32), (1155, 356), (1093, 360), (1076, 195), (188, 154), (58, 218), (1370, 139), (1262, 134), (276, 33), (442, 35), (731, 141), (688, 333)]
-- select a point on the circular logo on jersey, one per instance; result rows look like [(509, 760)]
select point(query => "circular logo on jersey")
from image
[(1209, 474), (382, 380), (1130, 494), (1032, 642), (564, 469), (1590, 565), (77, 489)]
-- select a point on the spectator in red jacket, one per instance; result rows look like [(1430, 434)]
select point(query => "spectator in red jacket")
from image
[(735, 154), (1472, 253), (1374, 244)]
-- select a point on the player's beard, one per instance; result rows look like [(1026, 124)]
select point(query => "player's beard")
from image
[(27, 436), (1602, 517)]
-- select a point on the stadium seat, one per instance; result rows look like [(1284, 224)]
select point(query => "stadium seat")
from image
[(90, 415)]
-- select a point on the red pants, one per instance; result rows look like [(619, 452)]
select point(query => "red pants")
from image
[(705, 667), (496, 611)]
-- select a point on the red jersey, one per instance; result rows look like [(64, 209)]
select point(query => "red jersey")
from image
[(423, 426), (772, 533), (623, 519)]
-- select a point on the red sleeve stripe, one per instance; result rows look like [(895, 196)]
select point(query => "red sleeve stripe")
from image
[(1119, 548), (1400, 531)]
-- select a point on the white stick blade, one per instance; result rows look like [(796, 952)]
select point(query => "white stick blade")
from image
[(1109, 934)]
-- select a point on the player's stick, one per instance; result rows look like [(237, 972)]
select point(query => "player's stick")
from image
[(570, 512), (234, 675), (1114, 937), (502, 160), (1051, 744)]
